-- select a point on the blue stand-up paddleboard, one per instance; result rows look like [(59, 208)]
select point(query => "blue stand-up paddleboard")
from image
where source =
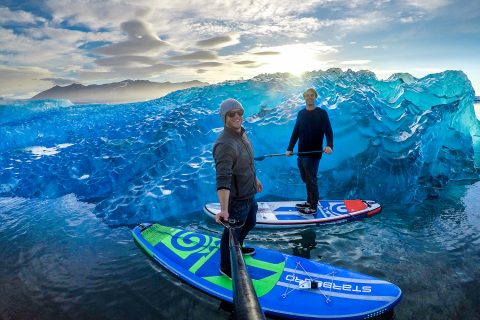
[(286, 285), (284, 214)]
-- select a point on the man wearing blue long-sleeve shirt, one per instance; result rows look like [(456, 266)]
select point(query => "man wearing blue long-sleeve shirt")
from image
[(311, 127)]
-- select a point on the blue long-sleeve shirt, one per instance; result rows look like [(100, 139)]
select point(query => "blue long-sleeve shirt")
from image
[(309, 130)]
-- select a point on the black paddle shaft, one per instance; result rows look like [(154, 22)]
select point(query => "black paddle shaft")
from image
[(245, 298), (261, 158)]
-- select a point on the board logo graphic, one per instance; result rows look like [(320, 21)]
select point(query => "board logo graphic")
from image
[(331, 285), (333, 208)]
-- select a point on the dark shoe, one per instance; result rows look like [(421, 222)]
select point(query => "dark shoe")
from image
[(247, 251), (226, 272), (308, 211), (302, 205)]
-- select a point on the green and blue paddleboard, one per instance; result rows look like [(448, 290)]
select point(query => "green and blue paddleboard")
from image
[(286, 285)]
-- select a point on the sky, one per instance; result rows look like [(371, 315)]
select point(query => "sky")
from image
[(58, 42)]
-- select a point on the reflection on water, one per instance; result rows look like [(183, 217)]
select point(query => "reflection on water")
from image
[(58, 260), (303, 246)]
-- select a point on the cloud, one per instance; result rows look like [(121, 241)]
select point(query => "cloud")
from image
[(267, 53), (47, 47), (21, 51), (244, 62), (220, 41), (187, 21), (291, 27), (141, 38), (228, 10), (274, 36), (60, 81), (198, 55), (207, 64), (125, 72), (370, 47), (212, 42), (96, 15), (18, 17), (22, 82), (410, 19), (293, 58), (428, 5), (123, 61)]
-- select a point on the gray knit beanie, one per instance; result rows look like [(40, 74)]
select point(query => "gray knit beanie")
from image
[(229, 105)]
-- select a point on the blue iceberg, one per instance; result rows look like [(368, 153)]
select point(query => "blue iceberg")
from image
[(396, 140)]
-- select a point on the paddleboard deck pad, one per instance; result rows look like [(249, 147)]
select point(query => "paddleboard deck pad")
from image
[(285, 214), (287, 286)]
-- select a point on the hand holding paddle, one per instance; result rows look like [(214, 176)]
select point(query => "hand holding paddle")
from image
[(222, 216), (232, 223)]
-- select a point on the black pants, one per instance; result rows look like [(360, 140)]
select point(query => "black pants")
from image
[(308, 167), (243, 210)]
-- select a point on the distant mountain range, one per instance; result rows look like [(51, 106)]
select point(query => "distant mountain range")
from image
[(118, 92)]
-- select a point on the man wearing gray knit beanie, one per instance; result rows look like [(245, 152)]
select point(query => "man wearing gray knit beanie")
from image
[(229, 105), (236, 180)]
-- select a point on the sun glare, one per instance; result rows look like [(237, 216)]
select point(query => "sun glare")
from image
[(294, 59)]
